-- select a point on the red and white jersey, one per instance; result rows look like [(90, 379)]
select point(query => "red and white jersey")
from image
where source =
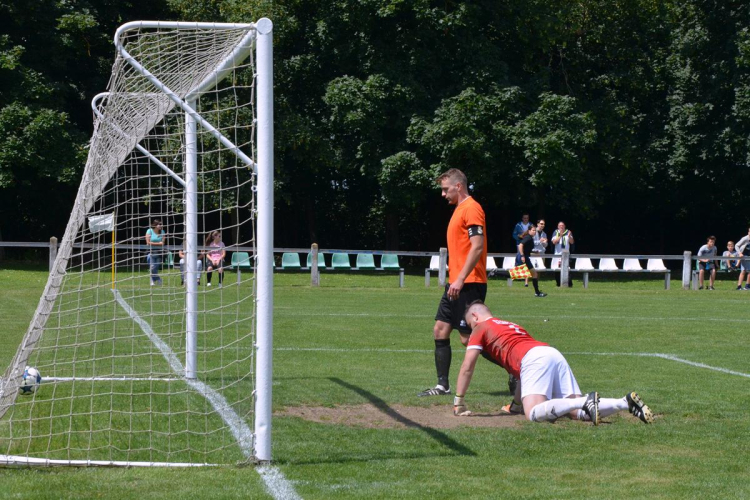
[(505, 342)]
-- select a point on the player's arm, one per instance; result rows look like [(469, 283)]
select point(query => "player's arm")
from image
[(464, 379), (477, 246), (520, 251)]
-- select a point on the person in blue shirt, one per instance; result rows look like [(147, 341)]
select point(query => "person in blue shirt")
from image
[(155, 240)]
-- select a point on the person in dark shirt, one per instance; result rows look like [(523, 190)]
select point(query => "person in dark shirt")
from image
[(524, 257)]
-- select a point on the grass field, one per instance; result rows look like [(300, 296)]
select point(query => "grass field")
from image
[(360, 339)]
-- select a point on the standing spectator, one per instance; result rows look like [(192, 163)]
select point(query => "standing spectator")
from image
[(563, 239), (467, 248), (215, 257), (521, 228), (730, 265), (707, 250), (524, 252), (155, 241), (745, 263)]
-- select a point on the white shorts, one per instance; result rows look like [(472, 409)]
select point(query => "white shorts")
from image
[(545, 371)]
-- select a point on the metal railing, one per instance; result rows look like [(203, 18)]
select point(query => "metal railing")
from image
[(687, 258)]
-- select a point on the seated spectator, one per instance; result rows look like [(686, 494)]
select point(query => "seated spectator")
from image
[(730, 265), (707, 264)]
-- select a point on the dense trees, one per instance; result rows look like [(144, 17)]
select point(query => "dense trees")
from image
[(630, 119)]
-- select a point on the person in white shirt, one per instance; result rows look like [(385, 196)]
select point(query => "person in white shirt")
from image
[(741, 246)]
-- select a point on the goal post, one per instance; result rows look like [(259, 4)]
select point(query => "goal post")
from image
[(136, 369)]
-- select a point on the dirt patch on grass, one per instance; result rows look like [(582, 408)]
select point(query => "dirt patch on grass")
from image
[(398, 417)]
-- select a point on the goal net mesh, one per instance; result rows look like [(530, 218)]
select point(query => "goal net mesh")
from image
[(109, 333)]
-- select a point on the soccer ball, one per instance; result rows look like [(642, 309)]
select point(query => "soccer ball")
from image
[(31, 380)]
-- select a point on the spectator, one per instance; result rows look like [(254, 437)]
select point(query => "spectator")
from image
[(563, 239), (744, 263), (730, 265), (198, 266), (155, 241), (215, 257), (707, 250), (521, 228)]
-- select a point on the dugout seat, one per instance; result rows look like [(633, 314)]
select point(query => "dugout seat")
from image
[(390, 261), (491, 266), (608, 265), (631, 265), (290, 261), (655, 265), (538, 263), (340, 261), (321, 261), (365, 262), (509, 262), (241, 260), (583, 264)]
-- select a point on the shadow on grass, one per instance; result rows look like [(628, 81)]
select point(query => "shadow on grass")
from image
[(381, 405)]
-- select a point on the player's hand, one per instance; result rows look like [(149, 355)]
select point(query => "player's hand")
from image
[(455, 289), (523, 259), (459, 407)]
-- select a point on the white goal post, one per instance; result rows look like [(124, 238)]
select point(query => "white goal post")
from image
[(162, 374)]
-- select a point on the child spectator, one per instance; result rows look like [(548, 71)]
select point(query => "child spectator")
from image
[(215, 257), (730, 265)]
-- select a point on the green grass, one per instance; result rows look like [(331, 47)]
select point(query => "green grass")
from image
[(359, 338)]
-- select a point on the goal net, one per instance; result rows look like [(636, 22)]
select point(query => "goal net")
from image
[(153, 334)]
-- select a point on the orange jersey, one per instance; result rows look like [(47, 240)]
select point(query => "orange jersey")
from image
[(468, 213), (505, 342)]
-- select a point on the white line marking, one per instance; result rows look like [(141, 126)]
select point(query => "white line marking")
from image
[(639, 354), (291, 312), (237, 425), (110, 379), (277, 485), (664, 356)]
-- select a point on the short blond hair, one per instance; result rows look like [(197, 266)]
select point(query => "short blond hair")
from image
[(455, 175)]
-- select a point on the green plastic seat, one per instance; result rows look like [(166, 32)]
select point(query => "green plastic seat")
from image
[(241, 260), (321, 260), (365, 261), (389, 261), (290, 261), (340, 261)]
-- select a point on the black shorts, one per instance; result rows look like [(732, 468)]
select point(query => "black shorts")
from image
[(452, 311), (706, 266)]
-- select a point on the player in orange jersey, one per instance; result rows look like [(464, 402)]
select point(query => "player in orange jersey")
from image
[(467, 251), (547, 385)]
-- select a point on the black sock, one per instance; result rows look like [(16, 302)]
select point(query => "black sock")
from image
[(221, 278), (443, 356), (208, 277), (535, 281)]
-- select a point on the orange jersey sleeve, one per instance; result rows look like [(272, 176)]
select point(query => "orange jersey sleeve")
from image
[(468, 213)]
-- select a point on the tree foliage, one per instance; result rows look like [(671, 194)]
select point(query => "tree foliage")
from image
[(615, 114)]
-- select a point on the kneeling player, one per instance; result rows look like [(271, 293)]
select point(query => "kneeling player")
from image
[(548, 388)]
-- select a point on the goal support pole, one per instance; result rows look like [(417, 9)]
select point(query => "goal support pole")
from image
[(191, 246), (264, 264)]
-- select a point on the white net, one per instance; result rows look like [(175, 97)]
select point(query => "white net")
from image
[(111, 337)]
